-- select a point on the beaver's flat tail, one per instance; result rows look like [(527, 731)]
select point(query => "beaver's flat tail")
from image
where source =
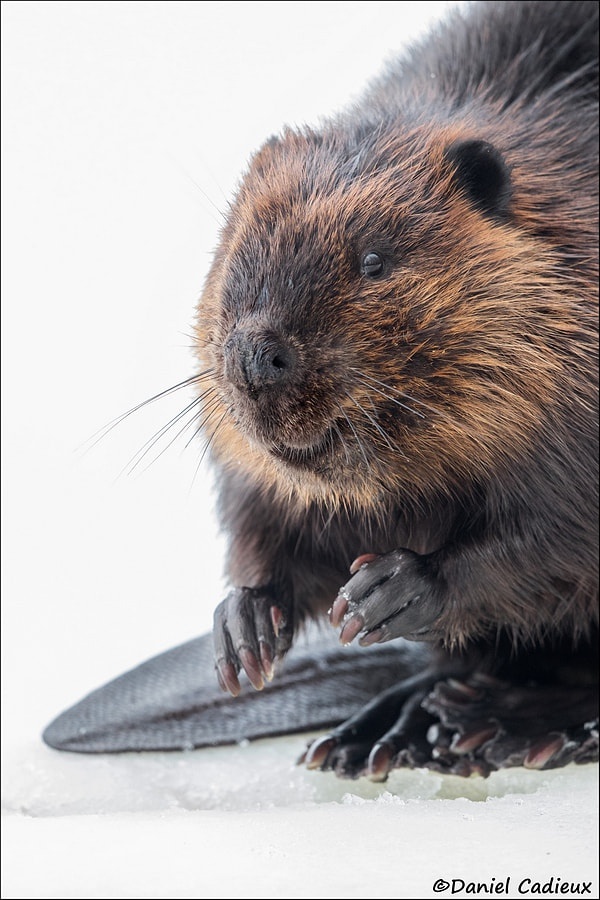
[(173, 701)]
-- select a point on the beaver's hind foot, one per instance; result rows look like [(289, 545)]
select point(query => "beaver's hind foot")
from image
[(462, 727)]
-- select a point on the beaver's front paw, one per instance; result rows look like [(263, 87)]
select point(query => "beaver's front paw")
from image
[(251, 630), (390, 596)]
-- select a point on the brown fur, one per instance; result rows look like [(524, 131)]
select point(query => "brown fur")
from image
[(448, 407)]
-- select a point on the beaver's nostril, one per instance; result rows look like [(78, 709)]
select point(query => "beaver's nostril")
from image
[(258, 361), (279, 362)]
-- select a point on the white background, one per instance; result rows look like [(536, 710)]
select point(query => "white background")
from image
[(125, 128)]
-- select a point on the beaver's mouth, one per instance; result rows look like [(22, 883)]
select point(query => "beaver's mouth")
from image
[(326, 448)]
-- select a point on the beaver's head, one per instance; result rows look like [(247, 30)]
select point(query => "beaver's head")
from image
[(367, 320)]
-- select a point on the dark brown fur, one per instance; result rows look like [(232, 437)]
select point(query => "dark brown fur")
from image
[(447, 407)]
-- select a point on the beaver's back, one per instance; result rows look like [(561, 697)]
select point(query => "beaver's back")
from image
[(505, 52)]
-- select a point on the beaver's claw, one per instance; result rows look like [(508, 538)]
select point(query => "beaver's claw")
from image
[(390, 596), (251, 631)]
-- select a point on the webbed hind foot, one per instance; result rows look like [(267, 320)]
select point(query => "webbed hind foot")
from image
[(470, 726)]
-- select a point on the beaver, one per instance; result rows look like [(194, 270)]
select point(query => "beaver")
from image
[(397, 345), (398, 341)]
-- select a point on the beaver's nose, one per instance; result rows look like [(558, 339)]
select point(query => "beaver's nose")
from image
[(258, 361)]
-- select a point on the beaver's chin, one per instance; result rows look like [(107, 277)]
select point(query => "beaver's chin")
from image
[(332, 468), (306, 446), (314, 460), (329, 465), (322, 450)]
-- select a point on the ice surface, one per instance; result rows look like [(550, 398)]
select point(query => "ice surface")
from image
[(246, 822), (254, 776)]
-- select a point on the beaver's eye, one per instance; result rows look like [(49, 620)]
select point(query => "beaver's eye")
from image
[(371, 264)]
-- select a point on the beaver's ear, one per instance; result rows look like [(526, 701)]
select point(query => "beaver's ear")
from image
[(482, 174)]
